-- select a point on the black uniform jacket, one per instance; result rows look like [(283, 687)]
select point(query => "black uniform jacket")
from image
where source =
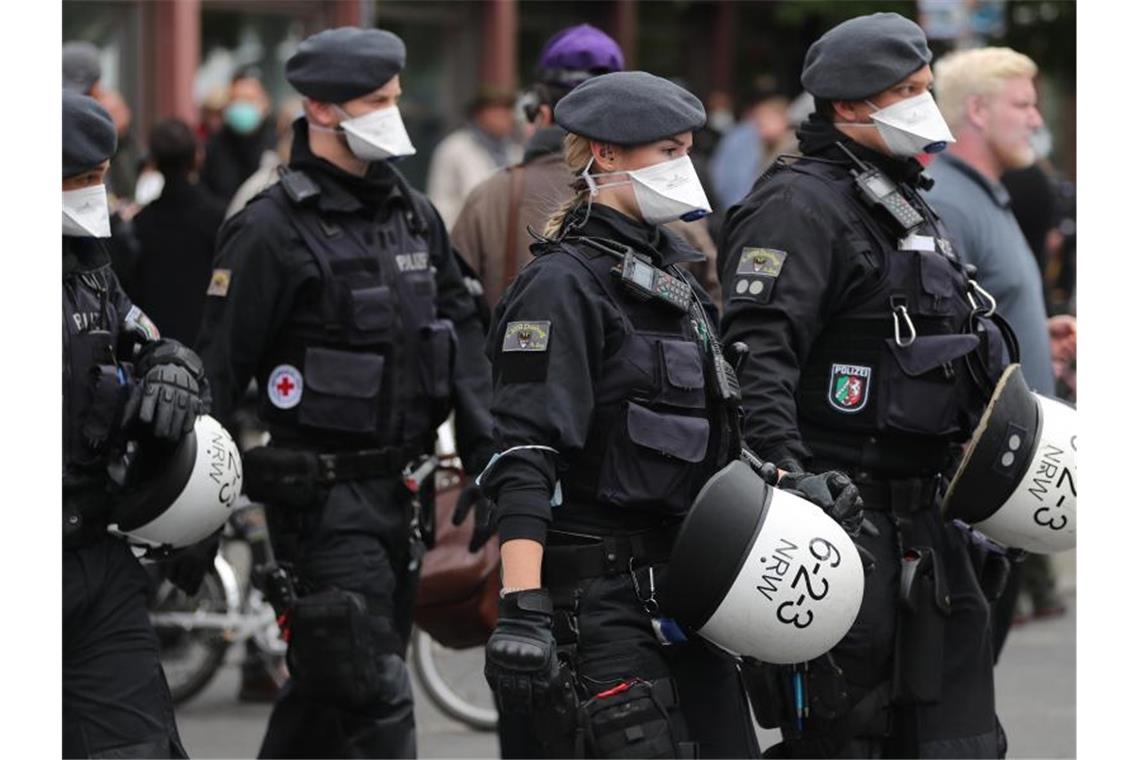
[(816, 267), (263, 270), (551, 387)]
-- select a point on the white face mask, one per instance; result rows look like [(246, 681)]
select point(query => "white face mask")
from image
[(377, 135), (911, 127), (148, 187), (664, 192), (85, 212)]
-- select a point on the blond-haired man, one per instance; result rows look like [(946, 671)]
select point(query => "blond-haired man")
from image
[(988, 98)]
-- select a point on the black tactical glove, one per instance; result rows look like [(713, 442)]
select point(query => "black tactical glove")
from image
[(187, 567), (472, 496), (839, 498), (831, 491), (522, 664), (166, 401)]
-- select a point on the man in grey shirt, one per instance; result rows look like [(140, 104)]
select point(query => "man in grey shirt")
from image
[(987, 97)]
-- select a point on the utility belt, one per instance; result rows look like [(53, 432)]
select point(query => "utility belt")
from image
[(292, 477), (571, 557)]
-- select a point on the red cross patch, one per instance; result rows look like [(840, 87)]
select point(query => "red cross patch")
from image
[(285, 386)]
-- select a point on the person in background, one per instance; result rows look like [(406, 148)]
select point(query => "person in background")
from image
[(490, 232), (749, 147), (287, 113), (473, 152), (210, 110), (176, 235), (235, 151)]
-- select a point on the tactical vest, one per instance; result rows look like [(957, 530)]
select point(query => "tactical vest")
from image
[(96, 384), (367, 355), (905, 363), (651, 436)]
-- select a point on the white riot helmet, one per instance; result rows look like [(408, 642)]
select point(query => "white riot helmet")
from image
[(1017, 482), (762, 573), (184, 493)]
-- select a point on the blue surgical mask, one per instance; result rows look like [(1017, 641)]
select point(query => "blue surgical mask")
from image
[(242, 117)]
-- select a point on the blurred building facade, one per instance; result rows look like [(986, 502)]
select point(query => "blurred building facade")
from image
[(167, 57)]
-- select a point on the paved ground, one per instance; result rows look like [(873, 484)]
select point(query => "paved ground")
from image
[(1036, 689)]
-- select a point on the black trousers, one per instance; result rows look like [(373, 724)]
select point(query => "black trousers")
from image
[(355, 539), (115, 699), (615, 644), (938, 673)]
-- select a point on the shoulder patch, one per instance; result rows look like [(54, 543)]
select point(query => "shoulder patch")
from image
[(219, 283), (756, 274), (527, 336), (765, 261)]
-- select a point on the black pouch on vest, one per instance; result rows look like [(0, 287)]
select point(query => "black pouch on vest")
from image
[(372, 314), (342, 390), (632, 721), (280, 477), (110, 390), (921, 637), (333, 652), (437, 365), (651, 459), (920, 387), (683, 383)]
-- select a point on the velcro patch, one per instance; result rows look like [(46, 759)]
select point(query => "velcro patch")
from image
[(527, 336), (219, 283), (757, 288), (762, 261)]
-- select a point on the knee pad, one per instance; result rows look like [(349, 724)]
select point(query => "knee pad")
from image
[(636, 719), (341, 655)]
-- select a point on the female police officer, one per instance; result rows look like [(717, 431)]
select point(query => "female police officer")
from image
[(606, 430)]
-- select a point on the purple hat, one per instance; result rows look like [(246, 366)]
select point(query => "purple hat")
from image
[(577, 53)]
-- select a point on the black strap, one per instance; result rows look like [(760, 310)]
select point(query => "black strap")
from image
[(902, 496), (607, 555), (369, 463)]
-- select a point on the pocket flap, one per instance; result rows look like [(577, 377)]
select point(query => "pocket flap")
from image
[(931, 351), (343, 373), (937, 275), (685, 438), (683, 367), (372, 308)]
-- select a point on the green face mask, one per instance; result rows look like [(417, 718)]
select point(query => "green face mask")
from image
[(242, 117)]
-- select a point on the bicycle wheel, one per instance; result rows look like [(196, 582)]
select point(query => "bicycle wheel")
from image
[(190, 657), (453, 678)]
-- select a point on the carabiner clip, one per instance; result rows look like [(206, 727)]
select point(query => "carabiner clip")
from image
[(975, 287), (649, 604), (910, 326)]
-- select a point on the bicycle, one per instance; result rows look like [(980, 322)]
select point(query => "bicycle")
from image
[(196, 632)]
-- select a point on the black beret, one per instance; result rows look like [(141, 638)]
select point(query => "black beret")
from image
[(343, 64), (629, 108), (88, 134), (864, 56)]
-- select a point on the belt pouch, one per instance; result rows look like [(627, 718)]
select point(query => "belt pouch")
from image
[(920, 640), (332, 654)]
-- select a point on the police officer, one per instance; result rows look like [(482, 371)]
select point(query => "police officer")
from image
[(115, 697), (338, 291), (871, 352), (608, 420)]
